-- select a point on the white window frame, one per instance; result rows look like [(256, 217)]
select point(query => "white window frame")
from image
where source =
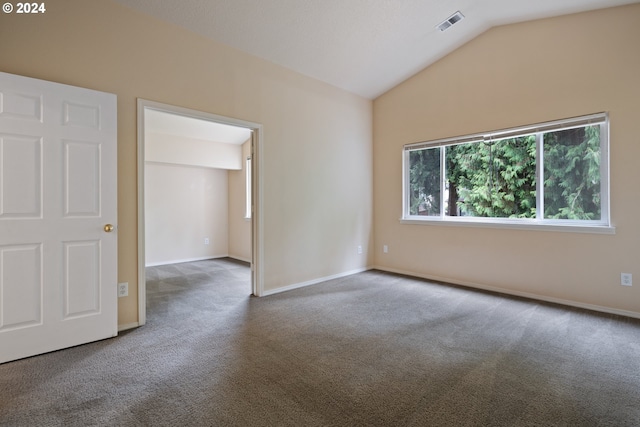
[(586, 226), (247, 214)]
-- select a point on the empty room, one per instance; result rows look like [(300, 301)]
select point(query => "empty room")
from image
[(441, 227)]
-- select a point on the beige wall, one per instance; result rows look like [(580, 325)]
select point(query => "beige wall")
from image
[(183, 206), (509, 76), (239, 226), (317, 139), (190, 151), (194, 189)]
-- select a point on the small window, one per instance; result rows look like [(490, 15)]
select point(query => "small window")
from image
[(553, 173), (247, 169)]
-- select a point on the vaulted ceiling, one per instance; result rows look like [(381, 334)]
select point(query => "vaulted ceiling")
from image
[(363, 46)]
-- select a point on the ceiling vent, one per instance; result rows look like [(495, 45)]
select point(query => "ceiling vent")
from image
[(456, 17)]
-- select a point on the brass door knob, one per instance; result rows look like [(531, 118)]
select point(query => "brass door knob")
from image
[(108, 228)]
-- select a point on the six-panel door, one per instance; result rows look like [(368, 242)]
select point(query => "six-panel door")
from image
[(58, 265)]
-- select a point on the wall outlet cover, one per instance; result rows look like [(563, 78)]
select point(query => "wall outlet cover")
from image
[(626, 279), (123, 289)]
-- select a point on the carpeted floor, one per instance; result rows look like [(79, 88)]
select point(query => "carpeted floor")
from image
[(372, 349)]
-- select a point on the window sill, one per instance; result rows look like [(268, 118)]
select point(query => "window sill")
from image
[(574, 227)]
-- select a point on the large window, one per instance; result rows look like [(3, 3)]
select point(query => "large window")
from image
[(552, 173)]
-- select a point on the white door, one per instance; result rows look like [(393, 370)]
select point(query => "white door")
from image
[(58, 265)]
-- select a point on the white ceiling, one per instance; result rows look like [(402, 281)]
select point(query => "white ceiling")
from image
[(363, 46), (189, 127)]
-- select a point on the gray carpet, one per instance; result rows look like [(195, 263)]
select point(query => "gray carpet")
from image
[(372, 349)]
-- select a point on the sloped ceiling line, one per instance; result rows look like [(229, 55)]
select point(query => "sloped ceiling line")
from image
[(363, 46)]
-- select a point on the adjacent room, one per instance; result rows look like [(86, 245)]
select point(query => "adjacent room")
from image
[(436, 224), (197, 202), (197, 196)]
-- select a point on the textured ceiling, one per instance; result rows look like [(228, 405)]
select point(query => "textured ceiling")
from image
[(363, 46)]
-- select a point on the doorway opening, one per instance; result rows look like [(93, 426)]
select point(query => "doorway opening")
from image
[(209, 153)]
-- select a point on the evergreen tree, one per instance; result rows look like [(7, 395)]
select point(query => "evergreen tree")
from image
[(498, 178), (572, 174), (424, 178), (493, 179)]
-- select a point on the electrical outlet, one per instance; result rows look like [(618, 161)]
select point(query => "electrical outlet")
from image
[(123, 289), (385, 249), (359, 249), (206, 240), (626, 279)]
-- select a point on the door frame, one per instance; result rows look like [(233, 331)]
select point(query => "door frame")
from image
[(257, 219)]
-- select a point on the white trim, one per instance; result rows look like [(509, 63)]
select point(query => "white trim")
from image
[(257, 277), (539, 175), (562, 124), (443, 183), (179, 261), (142, 287), (238, 258), (406, 197), (128, 326), (513, 224), (605, 171), (257, 217), (314, 281), (248, 186), (602, 226), (570, 303)]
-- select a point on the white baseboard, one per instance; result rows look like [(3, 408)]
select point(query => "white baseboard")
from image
[(239, 258), (313, 282), (127, 326), (178, 261), (561, 301)]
